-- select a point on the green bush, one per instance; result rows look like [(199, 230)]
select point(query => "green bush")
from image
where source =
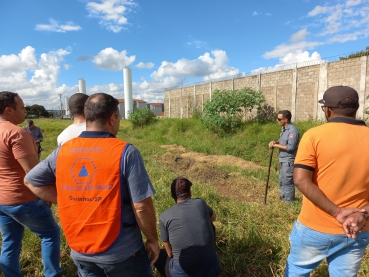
[(224, 112), (265, 114), (141, 117)]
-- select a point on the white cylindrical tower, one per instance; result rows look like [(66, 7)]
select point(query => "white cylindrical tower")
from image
[(128, 100), (66, 105), (82, 85)]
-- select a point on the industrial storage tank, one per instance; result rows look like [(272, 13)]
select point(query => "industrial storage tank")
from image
[(128, 99), (82, 85)]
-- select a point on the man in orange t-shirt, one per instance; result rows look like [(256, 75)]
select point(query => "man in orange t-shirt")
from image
[(331, 171), (19, 207)]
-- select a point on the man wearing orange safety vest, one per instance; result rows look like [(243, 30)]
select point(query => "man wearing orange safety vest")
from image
[(103, 194)]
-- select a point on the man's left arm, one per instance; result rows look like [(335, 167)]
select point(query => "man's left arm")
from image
[(146, 219), (141, 190), (41, 179), (45, 192), (293, 140)]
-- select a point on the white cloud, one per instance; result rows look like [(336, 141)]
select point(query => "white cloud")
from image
[(344, 37), (208, 66), (350, 3), (111, 13), (150, 91), (54, 26), (337, 19), (144, 65), (319, 10), (114, 89), (288, 22), (337, 24), (25, 60), (268, 14), (283, 49), (36, 79), (41, 86), (333, 21), (299, 36), (297, 58), (254, 13), (111, 59), (66, 66), (196, 43)]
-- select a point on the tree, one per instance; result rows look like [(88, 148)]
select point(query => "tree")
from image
[(224, 112), (141, 117), (36, 111), (357, 54)]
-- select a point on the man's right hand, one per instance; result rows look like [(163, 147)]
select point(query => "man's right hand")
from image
[(153, 249), (271, 144), (354, 223)]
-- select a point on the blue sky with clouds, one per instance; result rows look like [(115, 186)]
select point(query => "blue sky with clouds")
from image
[(46, 46)]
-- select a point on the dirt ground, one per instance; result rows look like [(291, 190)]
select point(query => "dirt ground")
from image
[(212, 169)]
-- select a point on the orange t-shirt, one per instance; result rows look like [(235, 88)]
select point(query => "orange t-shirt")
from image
[(15, 143), (338, 154)]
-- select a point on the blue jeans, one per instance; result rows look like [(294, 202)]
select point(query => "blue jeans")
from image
[(309, 248), (137, 265), (38, 218)]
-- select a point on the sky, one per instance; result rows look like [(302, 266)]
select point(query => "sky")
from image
[(46, 46)]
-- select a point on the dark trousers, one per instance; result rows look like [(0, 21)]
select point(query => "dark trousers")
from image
[(162, 263)]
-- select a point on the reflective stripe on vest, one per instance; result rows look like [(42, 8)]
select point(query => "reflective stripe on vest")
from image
[(89, 193)]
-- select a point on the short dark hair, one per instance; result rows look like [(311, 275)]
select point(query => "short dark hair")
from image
[(286, 114), (7, 99), (77, 104), (99, 107), (30, 122), (347, 107), (180, 188)]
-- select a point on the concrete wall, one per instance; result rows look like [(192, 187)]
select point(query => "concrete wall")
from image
[(297, 89)]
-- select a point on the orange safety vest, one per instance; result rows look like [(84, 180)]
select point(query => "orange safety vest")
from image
[(88, 184)]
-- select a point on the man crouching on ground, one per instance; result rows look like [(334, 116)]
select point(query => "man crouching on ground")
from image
[(188, 235)]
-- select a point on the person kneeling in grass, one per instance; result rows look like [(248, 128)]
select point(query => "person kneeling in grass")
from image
[(188, 235)]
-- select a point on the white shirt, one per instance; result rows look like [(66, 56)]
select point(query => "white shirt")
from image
[(72, 131)]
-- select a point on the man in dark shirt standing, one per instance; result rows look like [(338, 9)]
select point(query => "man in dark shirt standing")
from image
[(287, 145), (187, 232)]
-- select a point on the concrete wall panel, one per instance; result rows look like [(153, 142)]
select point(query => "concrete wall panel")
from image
[(297, 90)]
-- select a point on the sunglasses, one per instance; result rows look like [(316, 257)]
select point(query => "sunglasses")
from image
[(323, 108), (279, 119)]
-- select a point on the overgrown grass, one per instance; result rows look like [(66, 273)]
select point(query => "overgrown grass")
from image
[(252, 238)]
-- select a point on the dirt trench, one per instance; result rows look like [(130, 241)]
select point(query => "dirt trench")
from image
[(212, 169)]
